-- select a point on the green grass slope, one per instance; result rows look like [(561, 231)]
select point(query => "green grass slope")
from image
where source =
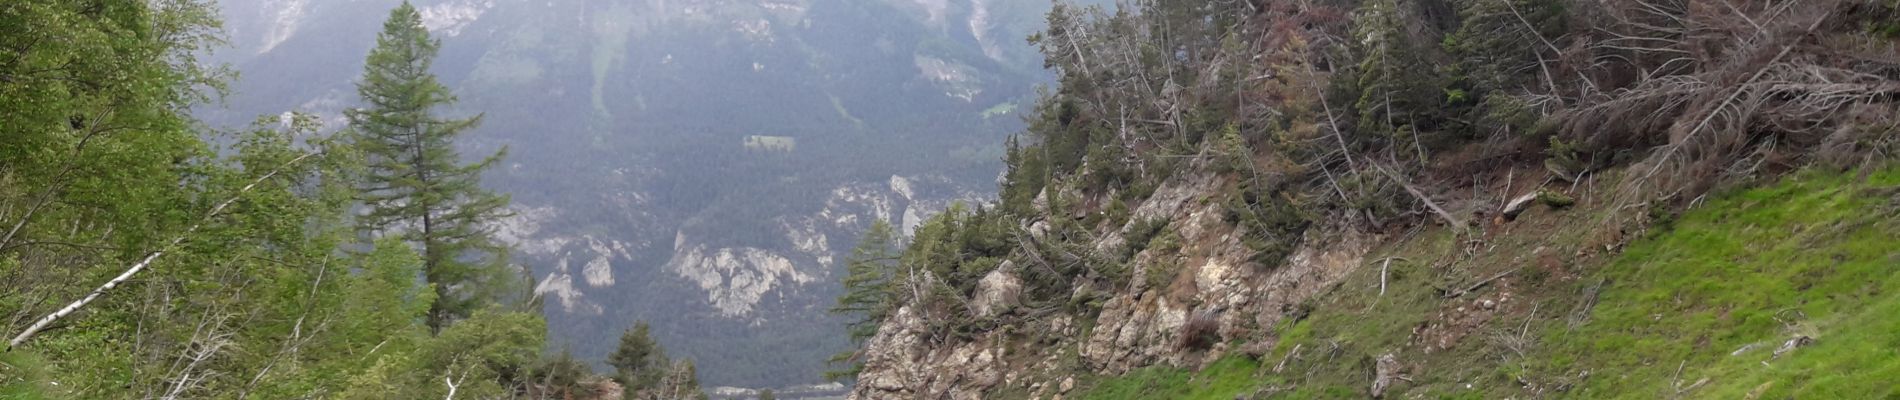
[(1698, 307), (1728, 285), (22, 376)]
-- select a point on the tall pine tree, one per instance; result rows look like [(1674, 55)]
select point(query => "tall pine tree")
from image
[(417, 185)]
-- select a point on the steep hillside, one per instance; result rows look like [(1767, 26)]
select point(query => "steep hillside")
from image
[(1778, 291), (1460, 198)]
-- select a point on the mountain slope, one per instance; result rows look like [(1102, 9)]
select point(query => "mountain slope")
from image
[(1768, 292), (1452, 199)]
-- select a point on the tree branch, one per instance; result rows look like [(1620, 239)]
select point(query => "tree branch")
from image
[(1449, 219)]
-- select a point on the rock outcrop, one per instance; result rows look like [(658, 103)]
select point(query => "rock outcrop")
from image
[(999, 291), (1137, 325)]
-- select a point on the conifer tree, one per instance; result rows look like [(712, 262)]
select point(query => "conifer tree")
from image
[(417, 185), (1394, 95), (639, 362), (868, 297)]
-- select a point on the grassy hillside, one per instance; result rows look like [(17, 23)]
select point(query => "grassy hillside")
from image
[(1726, 287), (1698, 307)]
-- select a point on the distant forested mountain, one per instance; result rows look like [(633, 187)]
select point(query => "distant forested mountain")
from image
[(697, 164)]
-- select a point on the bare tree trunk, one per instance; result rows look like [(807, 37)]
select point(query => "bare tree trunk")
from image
[(454, 384)]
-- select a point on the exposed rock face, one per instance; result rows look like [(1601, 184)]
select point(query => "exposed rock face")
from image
[(894, 351), (448, 18), (594, 257), (998, 291), (1138, 325), (1136, 329), (735, 278), (908, 367)]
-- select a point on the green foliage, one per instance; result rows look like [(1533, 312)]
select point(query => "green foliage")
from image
[(23, 377), (1271, 218), (1236, 155), (416, 184), (99, 170), (1516, 114), (1162, 272), (945, 259), (870, 292), (1502, 47), (1496, 50), (682, 382), (870, 286), (1026, 173), (1562, 157), (97, 161), (960, 245), (1064, 138), (483, 356), (766, 394), (1394, 96), (1108, 165), (1140, 235), (1117, 213), (563, 376), (644, 371), (639, 363), (1555, 199)]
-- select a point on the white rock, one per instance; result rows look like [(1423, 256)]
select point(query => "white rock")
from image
[(998, 291)]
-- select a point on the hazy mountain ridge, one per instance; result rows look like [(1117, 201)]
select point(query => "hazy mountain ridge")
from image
[(626, 122)]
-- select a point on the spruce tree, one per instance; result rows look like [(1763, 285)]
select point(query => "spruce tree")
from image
[(1395, 95), (417, 185), (639, 362)]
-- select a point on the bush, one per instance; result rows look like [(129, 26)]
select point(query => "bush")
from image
[(1272, 221), (1140, 234), (1118, 212)]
